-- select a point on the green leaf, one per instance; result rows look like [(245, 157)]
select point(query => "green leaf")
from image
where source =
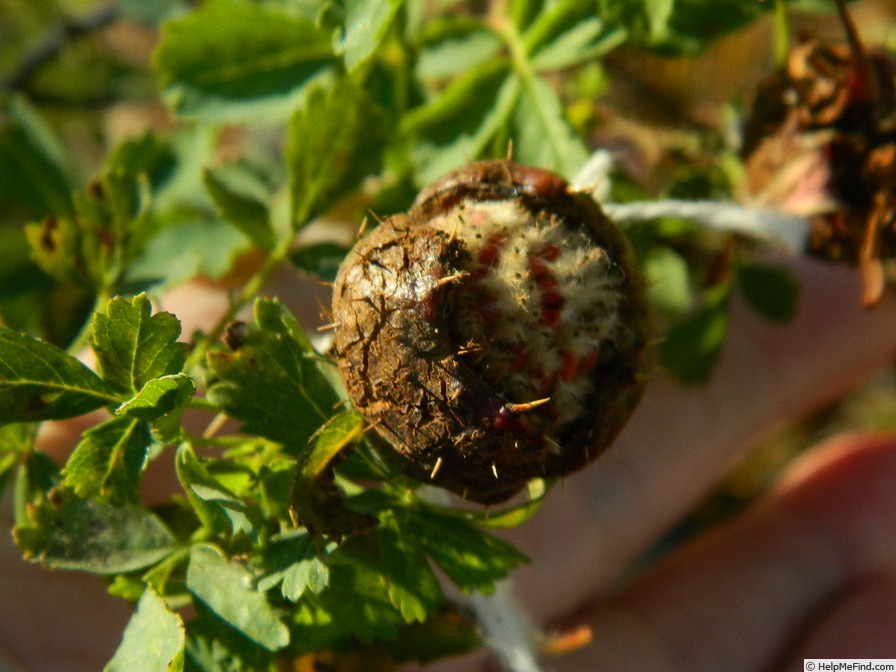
[(38, 381), (153, 640), (320, 260), (356, 603), (32, 162), (692, 346), (461, 48), (463, 121), (470, 557), (583, 42), (219, 509), (366, 23), (15, 441), (314, 500), (335, 141), (412, 585), (772, 292), (293, 562), (668, 280), (226, 588), (230, 61), (132, 346), (242, 210), (274, 383), (109, 460), (159, 397), (542, 136), (181, 251), (89, 536)]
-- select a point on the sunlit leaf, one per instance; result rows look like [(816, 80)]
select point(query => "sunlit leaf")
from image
[(233, 60)]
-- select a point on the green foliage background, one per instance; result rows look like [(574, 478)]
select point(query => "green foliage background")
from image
[(252, 120)]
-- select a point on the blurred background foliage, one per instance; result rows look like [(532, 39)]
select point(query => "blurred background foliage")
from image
[(661, 87)]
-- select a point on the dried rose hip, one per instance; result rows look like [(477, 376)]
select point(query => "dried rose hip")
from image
[(820, 140), (496, 332)]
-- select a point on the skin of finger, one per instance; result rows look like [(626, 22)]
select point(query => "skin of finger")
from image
[(682, 441), (860, 624), (799, 568)]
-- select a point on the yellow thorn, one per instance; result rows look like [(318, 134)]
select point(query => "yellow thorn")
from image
[(495, 470), (527, 406), (436, 467)]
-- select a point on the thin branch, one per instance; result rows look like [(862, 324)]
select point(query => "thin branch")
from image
[(54, 40)]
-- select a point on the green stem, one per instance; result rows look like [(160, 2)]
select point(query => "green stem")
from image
[(80, 341), (781, 34), (248, 292)]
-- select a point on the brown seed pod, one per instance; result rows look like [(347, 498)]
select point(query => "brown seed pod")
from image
[(820, 140), (496, 332)]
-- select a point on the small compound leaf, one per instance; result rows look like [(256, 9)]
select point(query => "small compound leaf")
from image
[(692, 346), (109, 460), (230, 61), (293, 562), (38, 381), (89, 536), (132, 346), (242, 210), (366, 23), (274, 383), (772, 292), (412, 585), (153, 640), (226, 588)]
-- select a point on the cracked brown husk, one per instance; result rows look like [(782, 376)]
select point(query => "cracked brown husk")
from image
[(495, 333)]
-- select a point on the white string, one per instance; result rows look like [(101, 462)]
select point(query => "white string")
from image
[(789, 231)]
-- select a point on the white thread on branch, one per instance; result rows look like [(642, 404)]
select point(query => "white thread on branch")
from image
[(787, 230), (508, 630), (790, 231)]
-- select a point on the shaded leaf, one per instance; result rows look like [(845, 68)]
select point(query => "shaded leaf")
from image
[(132, 346), (153, 640), (109, 460), (38, 381), (92, 537), (772, 292), (314, 500), (226, 588), (242, 210), (320, 260), (692, 346), (32, 162), (231, 61)]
